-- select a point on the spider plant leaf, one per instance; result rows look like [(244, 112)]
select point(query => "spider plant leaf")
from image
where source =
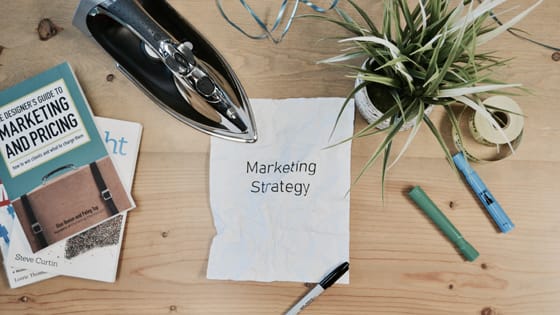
[(397, 30), (424, 16), (377, 78), (455, 128), (391, 112), (432, 78), (387, 115), (342, 57), (387, 17), (392, 63), (373, 29), (398, 102), (473, 90), (440, 139), (394, 50), (502, 28), (504, 110), (345, 104), (370, 132), (386, 155), (409, 25), (374, 39), (458, 76), (427, 46), (416, 126), (392, 131), (347, 18), (482, 9), (455, 51), (480, 109), (433, 63)]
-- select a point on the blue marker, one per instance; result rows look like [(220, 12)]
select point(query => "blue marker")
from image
[(494, 209)]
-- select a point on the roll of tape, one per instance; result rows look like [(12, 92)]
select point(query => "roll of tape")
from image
[(508, 115), (482, 142)]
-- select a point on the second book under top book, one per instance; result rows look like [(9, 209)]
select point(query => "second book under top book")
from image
[(55, 167)]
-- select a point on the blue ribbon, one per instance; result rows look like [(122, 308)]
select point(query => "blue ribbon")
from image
[(267, 32)]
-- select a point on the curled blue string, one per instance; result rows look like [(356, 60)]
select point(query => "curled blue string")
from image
[(266, 31)]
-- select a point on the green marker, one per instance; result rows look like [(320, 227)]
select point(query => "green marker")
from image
[(432, 211)]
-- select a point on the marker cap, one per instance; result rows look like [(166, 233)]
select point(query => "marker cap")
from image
[(467, 250)]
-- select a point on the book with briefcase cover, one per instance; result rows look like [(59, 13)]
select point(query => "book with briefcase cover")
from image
[(53, 163), (69, 203), (92, 254)]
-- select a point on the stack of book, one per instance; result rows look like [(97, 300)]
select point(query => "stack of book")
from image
[(66, 178)]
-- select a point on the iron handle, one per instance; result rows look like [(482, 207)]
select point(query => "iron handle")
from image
[(138, 21)]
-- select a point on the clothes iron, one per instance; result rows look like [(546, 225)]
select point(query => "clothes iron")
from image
[(172, 62)]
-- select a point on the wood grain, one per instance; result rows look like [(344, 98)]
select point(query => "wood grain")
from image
[(400, 263)]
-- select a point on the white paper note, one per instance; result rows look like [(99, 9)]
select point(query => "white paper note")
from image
[(281, 205)]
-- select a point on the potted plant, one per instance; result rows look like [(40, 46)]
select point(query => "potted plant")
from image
[(420, 56)]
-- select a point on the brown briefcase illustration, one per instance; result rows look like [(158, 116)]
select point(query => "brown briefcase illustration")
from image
[(68, 203)]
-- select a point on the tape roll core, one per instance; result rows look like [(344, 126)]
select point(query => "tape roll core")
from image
[(486, 143), (506, 111)]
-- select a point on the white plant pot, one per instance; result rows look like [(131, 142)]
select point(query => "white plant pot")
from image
[(370, 113)]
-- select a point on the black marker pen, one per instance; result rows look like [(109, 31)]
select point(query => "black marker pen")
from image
[(319, 288)]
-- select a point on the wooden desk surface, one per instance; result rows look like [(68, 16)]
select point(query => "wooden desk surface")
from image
[(400, 264)]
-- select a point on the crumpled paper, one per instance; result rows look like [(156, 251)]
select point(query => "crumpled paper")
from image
[(281, 205)]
